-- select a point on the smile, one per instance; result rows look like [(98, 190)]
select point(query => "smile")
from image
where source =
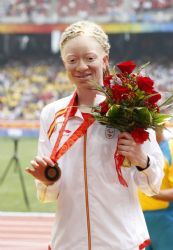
[(83, 76)]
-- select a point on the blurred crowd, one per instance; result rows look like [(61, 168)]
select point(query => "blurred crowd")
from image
[(26, 87), (162, 74), (46, 11)]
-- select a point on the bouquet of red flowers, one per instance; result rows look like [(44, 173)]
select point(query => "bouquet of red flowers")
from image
[(131, 104)]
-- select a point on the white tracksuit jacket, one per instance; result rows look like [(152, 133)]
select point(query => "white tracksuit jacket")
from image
[(94, 211)]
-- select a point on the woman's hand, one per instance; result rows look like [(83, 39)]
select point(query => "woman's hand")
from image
[(38, 169), (131, 150)]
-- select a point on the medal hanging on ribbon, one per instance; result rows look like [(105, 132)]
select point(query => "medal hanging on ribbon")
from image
[(79, 132)]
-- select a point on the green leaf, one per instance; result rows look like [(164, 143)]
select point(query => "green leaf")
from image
[(113, 112), (142, 115), (142, 67), (148, 96), (160, 119), (100, 117), (167, 102)]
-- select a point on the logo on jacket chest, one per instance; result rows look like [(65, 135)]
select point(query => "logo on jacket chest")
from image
[(109, 132)]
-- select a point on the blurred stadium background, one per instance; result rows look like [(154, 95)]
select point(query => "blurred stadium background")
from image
[(32, 74)]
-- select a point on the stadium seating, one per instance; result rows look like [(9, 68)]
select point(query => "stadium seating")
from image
[(25, 89), (44, 11)]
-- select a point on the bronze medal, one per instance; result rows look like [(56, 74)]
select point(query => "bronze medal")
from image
[(52, 173)]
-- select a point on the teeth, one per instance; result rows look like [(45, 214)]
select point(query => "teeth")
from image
[(83, 76)]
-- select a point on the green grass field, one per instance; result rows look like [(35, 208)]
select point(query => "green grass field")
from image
[(11, 195)]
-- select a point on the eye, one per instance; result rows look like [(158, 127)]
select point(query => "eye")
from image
[(90, 58), (72, 60)]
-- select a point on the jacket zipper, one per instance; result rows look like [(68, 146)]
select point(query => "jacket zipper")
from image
[(86, 195)]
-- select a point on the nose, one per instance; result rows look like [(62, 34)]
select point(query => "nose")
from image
[(82, 65)]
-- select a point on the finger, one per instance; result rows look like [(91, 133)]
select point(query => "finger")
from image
[(125, 149), (34, 164), (48, 161), (34, 172), (125, 135), (124, 142), (30, 171), (125, 153), (40, 161)]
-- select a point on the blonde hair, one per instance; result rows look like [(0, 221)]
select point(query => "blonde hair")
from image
[(87, 28)]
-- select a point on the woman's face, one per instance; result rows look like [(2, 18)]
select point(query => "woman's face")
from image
[(84, 60)]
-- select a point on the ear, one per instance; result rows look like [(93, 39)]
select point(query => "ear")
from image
[(106, 61)]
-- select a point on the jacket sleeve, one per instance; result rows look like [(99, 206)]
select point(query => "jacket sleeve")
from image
[(149, 180), (46, 193)]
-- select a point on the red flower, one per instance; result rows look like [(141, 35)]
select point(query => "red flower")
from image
[(155, 98), (119, 92), (127, 67), (106, 81), (103, 107), (145, 83), (140, 135)]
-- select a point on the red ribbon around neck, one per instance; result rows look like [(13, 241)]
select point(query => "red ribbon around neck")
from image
[(79, 132)]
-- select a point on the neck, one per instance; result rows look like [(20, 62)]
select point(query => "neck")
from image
[(86, 97)]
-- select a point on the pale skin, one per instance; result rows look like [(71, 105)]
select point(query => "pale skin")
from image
[(166, 194), (38, 168), (84, 60), (131, 150)]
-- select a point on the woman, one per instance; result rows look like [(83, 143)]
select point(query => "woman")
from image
[(158, 209), (94, 211)]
